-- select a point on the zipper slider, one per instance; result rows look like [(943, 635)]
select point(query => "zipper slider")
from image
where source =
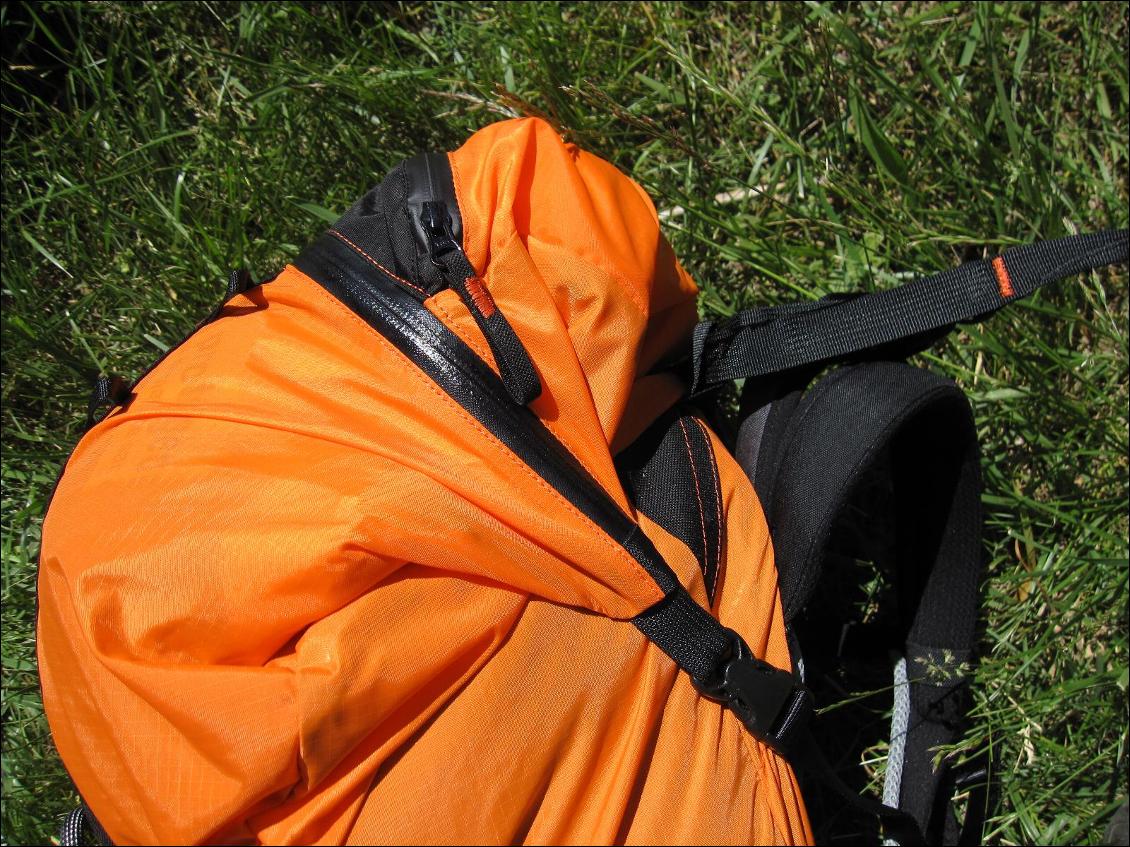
[(514, 365), (437, 226)]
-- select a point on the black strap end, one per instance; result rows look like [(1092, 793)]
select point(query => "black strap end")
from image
[(108, 391), (239, 281)]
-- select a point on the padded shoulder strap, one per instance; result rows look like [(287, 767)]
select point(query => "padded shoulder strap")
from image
[(764, 341), (814, 451), (671, 475)]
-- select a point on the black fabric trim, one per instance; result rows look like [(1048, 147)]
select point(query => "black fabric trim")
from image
[(715, 518), (670, 474), (385, 224), (458, 370)]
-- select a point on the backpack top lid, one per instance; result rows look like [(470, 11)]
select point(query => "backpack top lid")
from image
[(570, 249)]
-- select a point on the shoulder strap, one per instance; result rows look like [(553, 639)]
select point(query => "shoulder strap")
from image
[(670, 474), (763, 341), (814, 451)]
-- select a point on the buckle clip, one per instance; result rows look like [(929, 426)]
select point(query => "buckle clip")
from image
[(770, 703)]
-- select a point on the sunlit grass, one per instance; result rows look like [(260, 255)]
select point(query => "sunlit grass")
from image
[(150, 147)]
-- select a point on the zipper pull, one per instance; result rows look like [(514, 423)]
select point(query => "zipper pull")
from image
[(437, 225), (514, 365)]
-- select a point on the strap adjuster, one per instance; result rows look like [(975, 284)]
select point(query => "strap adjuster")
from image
[(770, 703)]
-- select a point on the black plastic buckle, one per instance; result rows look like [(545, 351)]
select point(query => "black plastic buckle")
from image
[(770, 703)]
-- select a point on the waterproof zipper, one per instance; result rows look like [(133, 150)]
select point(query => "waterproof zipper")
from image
[(767, 701), (513, 360), (399, 316)]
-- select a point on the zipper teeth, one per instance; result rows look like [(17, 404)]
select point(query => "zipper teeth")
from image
[(378, 265), (427, 342), (428, 173)]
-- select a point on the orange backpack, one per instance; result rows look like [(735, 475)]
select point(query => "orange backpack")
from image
[(419, 541)]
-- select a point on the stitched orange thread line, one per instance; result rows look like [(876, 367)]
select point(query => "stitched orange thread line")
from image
[(641, 576), (1004, 281), (467, 338), (718, 496), (697, 489), (377, 264), (480, 296)]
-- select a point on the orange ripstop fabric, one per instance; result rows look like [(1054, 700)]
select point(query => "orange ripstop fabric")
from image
[(294, 593)]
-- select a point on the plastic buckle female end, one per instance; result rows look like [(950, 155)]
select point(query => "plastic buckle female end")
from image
[(768, 701)]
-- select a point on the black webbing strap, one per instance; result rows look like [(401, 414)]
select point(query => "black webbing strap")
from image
[(108, 391), (770, 703), (815, 449), (775, 339), (239, 281)]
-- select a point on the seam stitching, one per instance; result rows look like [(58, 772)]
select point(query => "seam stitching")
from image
[(718, 502), (377, 264), (697, 491)]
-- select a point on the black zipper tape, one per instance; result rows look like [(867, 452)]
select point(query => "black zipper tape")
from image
[(768, 701), (457, 369), (513, 360)]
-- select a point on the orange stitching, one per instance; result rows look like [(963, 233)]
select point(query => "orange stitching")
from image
[(558, 434), (635, 568), (718, 497), (1004, 281), (697, 491), (378, 264), (480, 296), (468, 340)]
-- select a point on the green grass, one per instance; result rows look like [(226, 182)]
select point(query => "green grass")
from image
[(148, 148)]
